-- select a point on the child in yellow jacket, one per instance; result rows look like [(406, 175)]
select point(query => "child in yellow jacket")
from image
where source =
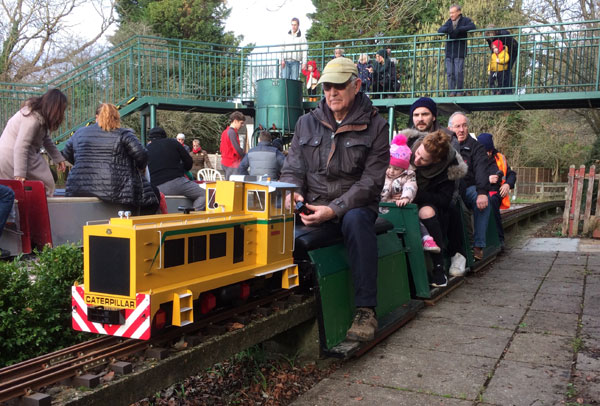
[(498, 68)]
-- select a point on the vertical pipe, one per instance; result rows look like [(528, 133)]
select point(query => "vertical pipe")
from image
[(518, 60), (152, 115), (391, 122), (180, 69), (143, 124)]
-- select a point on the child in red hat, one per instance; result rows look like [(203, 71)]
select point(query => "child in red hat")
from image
[(498, 68), (400, 184), (312, 78)]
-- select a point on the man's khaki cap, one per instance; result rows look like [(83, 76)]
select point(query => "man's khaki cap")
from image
[(338, 70)]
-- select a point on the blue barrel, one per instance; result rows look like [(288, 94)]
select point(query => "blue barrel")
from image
[(278, 102)]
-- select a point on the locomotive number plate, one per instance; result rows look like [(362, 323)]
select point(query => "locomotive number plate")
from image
[(95, 300)]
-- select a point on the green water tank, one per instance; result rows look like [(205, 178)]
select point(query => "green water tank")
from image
[(278, 102)]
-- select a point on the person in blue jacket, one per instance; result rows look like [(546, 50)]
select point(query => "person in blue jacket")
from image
[(456, 28)]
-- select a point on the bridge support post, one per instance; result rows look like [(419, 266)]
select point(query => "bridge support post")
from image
[(152, 115), (143, 123), (391, 121)]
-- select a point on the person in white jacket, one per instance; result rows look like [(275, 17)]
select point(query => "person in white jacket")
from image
[(294, 52)]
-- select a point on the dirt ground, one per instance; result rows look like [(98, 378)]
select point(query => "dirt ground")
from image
[(250, 378)]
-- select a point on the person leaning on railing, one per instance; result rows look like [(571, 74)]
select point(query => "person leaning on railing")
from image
[(456, 28)]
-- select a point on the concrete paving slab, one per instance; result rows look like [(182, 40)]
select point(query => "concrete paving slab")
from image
[(591, 303), (467, 315), (588, 361), (594, 259), (555, 303), (589, 245), (564, 324), (434, 372), (516, 383), (552, 244), (590, 326), (567, 273), (561, 287), (333, 392), (532, 267), (569, 258), (541, 349), (491, 297), (427, 334), (592, 282), (515, 285)]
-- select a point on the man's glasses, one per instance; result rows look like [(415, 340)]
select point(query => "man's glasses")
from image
[(337, 86)]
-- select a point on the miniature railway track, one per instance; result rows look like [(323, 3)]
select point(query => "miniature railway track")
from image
[(23, 378)]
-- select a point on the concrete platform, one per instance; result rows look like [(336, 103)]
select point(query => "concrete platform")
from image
[(524, 331)]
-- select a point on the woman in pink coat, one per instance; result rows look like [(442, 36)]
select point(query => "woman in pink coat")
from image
[(26, 133)]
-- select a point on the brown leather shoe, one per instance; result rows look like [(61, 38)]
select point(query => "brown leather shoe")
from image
[(364, 325), (477, 253)]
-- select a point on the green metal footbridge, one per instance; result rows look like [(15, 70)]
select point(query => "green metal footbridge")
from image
[(557, 66)]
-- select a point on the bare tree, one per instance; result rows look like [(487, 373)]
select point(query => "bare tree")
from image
[(39, 36)]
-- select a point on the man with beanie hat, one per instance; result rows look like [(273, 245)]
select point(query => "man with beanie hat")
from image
[(502, 182), (167, 159), (338, 158)]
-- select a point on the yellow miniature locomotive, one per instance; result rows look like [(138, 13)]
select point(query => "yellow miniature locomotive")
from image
[(144, 273)]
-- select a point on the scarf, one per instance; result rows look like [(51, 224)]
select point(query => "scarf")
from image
[(197, 150)]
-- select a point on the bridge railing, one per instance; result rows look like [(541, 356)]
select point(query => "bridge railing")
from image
[(551, 59)]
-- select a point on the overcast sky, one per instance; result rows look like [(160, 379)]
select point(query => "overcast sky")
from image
[(263, 22)]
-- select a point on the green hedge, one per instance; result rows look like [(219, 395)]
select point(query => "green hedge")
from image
[(35, 303)]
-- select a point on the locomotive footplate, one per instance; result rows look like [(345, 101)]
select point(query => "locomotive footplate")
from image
[(105, 316)]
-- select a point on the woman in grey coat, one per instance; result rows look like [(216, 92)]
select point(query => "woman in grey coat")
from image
[(26, 133)]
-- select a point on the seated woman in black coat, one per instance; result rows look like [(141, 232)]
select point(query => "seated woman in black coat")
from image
[(108, 163), (438, 166)]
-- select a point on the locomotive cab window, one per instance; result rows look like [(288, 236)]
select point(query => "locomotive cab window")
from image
[(211, 193), (277, 203), (256, 200)]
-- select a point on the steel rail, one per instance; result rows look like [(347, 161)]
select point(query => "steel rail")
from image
[(20, 379)]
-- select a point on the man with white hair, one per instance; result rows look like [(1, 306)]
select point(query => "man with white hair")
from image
[(181, 140), (476, 183)]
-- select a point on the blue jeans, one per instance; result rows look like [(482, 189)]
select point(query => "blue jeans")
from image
[(7, 198), (455, 73), (291, 70), (480, 217)]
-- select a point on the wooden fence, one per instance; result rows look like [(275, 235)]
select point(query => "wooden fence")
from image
[(574, 203), (533, 180)]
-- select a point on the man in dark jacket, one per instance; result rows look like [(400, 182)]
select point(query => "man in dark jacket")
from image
[(166, 158), (513, 49), (501, 183), (456, 28), (263, 159), (476, 183), (384, 73), (338, 158)]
